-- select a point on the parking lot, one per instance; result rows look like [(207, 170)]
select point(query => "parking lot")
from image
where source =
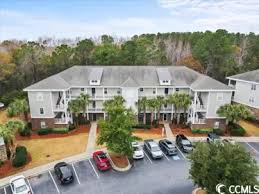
[(168, 175)]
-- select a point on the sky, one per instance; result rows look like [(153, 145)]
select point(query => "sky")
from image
[(30, 19)]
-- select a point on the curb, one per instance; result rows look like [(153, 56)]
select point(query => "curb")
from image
[(117, 168)]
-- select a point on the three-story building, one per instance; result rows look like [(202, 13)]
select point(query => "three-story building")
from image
[(48, 99)]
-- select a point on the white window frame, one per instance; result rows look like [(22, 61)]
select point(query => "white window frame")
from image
[(82, 89), (43, 111), (141, 89), (154, 90), (252, 99), (43, 124), (220, 96), (105, 90), (39, 97), (253, 87)]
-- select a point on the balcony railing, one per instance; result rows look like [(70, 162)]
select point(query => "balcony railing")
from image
[(60, 121), (59, 107), (200, 121), (200, 107), (95, 109)]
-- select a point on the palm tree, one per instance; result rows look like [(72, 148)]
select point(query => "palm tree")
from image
[(142, 104), (160, 100), (84, 101), (152, 104), (175, 100), (74, 106), (8, 131), (185, 103)]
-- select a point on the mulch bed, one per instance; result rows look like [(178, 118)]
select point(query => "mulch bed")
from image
[(34, 135), (7, 169), (118, 160)]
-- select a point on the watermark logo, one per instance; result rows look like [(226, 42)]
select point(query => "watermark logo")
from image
[(237, 189), (219, 188)]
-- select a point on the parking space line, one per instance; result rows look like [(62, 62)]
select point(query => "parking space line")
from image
[(77, 178), (94, 169), (54, 182), (165, 156), (252, 148), (181, 152), (147, 157), (5, 190), (30, 185)]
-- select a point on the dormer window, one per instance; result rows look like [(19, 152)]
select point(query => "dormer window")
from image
[(94, 82)]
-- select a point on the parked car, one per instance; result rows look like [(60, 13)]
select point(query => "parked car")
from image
[(168, 147), (19, 185), (212, 137), (183, 143), (231, 141), (64, 173), (101, 160), (138, 151), (153, 149)]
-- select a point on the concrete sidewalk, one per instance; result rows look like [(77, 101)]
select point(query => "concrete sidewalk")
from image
[(91, 139)]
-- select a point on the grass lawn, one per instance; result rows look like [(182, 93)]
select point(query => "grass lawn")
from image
[(250, 128), (47, 150)]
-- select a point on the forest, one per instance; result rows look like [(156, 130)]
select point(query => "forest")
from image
[(217, 54)]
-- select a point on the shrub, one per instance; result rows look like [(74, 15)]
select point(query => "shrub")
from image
[(236, 130), (25, 132), (59, 130), (83, 121), (202, 131), (155, 123), (142, 126), (1, 163), (71, 126), (29, 125), (9, 97), (44, 131), (20, 156), (218, 131)]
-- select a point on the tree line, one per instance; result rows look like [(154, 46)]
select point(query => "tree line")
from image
[(218, 54)]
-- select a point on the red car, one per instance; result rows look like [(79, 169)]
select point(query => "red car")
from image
[(101, 160)]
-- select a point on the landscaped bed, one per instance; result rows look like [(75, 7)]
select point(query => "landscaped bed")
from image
[(186, 131), (118, 160), (251, 129), (152, 133), (4, 118)]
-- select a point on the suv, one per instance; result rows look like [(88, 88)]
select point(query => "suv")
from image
[(212, 137), (153, 149), (183, 143), (168, 147), (64, 173)]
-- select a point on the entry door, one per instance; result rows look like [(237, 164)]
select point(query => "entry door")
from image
[(165, 117), (94, 116)]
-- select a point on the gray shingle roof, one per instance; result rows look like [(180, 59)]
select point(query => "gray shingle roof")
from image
[(129, 76), (252, 76)]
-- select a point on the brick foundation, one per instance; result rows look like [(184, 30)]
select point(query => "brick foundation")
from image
[(35, 122), (210, 124)]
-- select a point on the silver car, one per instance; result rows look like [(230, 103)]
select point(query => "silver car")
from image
[(153, 149)]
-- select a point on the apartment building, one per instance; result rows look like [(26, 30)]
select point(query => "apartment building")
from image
[(48, 99), (246, 87)]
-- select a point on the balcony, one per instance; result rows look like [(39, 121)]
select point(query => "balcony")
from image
[(200, 107), (60, 121), (166, 109), (59, 107), (95, 110), (199, 121)]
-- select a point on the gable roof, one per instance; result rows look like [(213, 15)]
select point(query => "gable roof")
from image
[(128, 76), (252, 76)]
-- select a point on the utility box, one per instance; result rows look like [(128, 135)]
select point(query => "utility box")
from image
[(3, 154)]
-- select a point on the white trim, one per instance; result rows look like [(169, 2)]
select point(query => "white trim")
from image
[(215, 117), (234, 100), (240, 80), (213, 90), (43, 117), (51, 103)]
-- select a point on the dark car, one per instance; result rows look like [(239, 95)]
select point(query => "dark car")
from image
[(183, 143), (64, 173), (168, 147), (101, 160), (212, 137)]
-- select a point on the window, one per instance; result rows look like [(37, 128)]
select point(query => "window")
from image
[(219, 96), (253, 87), (82, 89), (39, 97), (177, 89), (93, 91), (41, 111), (251, 99), (165, 105), (141, 89), (94, 104), (119, 91), (154, 90), (105, 91), (166, 90), (216, 125), (43, 124), (165, 81)]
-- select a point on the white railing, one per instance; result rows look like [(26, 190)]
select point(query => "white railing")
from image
[(199, 121), (166, 109), (60, 121), (59, 107), (95, 109), (200, 107)]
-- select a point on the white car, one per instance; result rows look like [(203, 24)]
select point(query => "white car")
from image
[(19, 185), (138, 151)]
